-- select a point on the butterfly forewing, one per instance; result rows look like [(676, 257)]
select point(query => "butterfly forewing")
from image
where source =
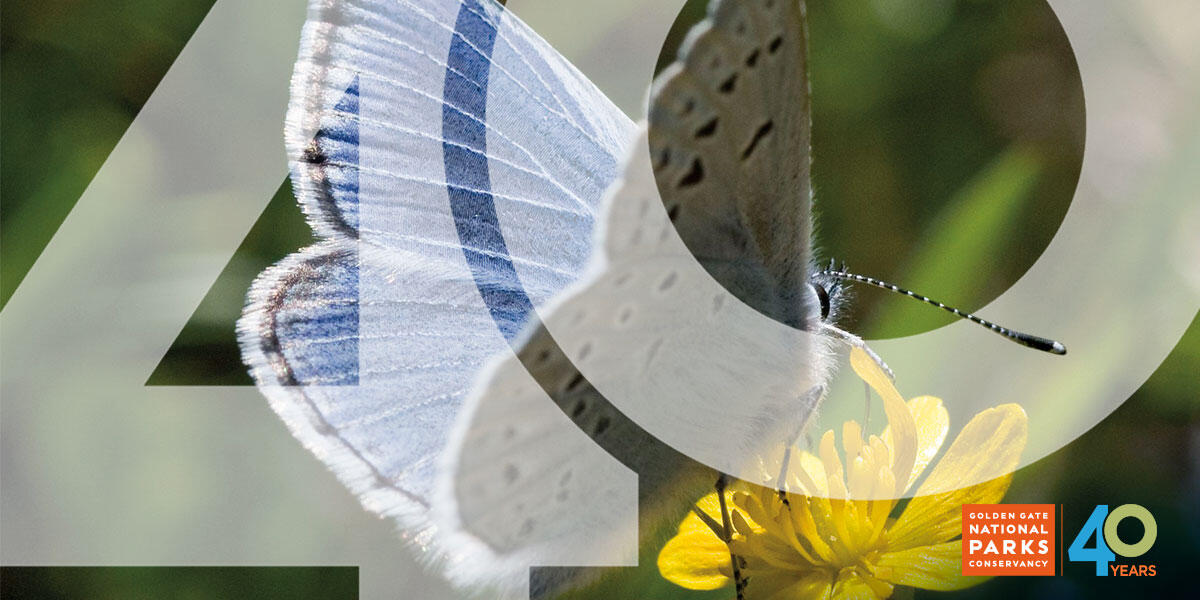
[(729, 137)]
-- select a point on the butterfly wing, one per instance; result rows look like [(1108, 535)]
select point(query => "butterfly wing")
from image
[(652, 335), (418, 132), (730, 139)]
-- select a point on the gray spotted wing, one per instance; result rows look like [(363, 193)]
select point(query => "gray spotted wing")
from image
[(730, 139)]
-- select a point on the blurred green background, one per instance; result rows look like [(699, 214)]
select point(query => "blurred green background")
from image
[(947, 140), (179, 583)]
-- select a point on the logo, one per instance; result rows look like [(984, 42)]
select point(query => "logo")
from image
[(1102, 525), (1008, 539)]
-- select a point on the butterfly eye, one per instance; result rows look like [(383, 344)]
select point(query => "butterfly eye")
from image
[(823, 296)]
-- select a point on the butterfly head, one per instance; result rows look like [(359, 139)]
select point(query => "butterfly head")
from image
[(830, 291)]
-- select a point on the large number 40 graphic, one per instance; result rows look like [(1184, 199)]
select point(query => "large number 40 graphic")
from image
[(1102, 525)]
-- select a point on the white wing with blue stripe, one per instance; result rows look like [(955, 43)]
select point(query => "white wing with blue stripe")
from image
[(453, 164)]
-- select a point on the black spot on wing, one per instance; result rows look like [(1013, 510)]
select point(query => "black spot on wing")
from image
[(575, 382), (694, 175), (763, 131), (752, 59), (668, 281), (313, 154), (601, 425), (729, 84), (662, 158)]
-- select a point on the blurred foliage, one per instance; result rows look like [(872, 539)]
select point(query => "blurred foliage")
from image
[(179, 583), (206, 351), (74, 76), (948, 137)]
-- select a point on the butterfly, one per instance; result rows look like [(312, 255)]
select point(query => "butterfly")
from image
[(526, 312)]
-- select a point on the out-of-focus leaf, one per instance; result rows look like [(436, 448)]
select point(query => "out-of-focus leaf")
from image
[(962, 249)]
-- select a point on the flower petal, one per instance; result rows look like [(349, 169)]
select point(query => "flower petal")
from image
[(808, 475), (932, 422), (834, 474), (852, 585), (852, 441), (815, 585), (900, 419), (695, 558), (937, 567), (988, 450)]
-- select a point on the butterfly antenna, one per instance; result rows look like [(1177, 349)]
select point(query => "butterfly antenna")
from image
[(1025, 339)]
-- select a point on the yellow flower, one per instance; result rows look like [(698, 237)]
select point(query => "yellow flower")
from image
[(832, 534)]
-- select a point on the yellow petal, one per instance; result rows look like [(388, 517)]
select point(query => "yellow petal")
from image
[(711, 506), (809, 474), (833, 465), (741, 525), (851, 585), (804, 518), (695, 558), (937, 567), (751, 507), (932, 422), (852, 440), (814, 585), (861, 478), (900, 420), (987, 450)]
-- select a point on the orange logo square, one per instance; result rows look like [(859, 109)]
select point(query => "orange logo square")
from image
[(1008, 539)]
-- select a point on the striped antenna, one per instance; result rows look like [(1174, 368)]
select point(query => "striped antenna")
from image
[(1025, 339)]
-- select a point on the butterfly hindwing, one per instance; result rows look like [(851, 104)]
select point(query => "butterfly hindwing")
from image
[(300, 336)]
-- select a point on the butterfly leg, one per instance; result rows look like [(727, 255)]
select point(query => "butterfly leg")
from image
[(810, 401), (739, 584), (858, 342), (867, 406), (781, 483), (724, 528), (724, 531)]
